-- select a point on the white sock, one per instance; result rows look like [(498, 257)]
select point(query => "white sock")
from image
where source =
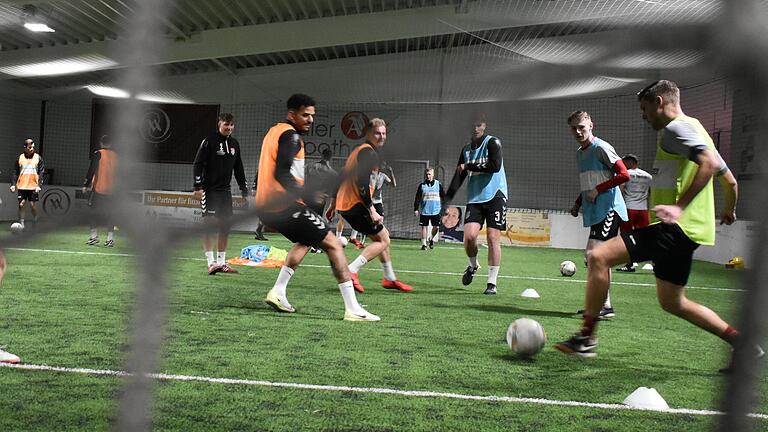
[(348, 294), (357, 264), (94, 233), (209, 257), (389, 272), (353, 234), (473, 261), (607, 303), (493, 273), (281, 284), (221, 258), (423, 241), (110, 235), (338, 233)]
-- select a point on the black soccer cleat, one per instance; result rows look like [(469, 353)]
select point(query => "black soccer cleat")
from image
[(582, 346), (490, 289), (423, 247), (468, 275), (605, 313), (431, 244)]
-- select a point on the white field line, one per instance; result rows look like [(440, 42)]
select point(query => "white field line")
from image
[(533, 278), (370, 390)]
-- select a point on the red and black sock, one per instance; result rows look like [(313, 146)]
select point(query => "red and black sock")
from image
[(730, 335), (588, 326)]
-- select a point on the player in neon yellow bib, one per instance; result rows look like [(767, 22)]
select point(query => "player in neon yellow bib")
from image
[(683, 201)]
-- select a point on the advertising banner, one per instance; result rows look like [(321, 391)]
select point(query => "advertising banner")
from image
[(172, 132), (525, 227)]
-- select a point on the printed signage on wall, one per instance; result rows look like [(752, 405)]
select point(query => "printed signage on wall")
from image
[(524, 228), (172, 132)]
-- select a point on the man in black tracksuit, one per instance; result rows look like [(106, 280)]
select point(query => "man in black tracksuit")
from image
[(217, 158)]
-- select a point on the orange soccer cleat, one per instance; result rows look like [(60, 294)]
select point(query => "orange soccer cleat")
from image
[(356, 283), (396, 284)]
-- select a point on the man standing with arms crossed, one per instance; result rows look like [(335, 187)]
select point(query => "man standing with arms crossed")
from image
[(281, 199), (683, 200), (601, 171), (216, 159), (482, 161), (427, 206), (27, 178)]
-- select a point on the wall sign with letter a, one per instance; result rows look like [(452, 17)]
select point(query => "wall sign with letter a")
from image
[(172, 132)]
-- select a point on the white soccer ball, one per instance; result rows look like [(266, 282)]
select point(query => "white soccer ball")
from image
[(567, 268), (526, 337), (344, 241), (16, 227)]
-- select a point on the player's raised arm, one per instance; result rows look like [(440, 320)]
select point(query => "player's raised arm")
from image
[(289, 145), (730, 188), (458, 179), (494, 161)]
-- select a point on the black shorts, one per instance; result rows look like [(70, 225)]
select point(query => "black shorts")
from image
[(359, 218), (379, 208), (607, 229), (425, 220), (299, 224), (667, 246), (318, 208), (494, 212), (216, 203), (27, 195)]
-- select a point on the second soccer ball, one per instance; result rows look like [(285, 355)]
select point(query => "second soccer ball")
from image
[(567, 268)]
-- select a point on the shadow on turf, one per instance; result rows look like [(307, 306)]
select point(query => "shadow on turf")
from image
[(508, 310)]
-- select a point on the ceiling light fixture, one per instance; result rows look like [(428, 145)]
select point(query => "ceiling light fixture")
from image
[(106, 91), (84, 63), (38, 27), (33, 21)]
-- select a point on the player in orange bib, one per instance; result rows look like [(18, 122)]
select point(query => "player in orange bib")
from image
[(354, 204), (99, 181), (27, 179), (280, 203)]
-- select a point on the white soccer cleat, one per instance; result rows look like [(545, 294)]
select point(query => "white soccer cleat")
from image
[(360, 315), (6, 357), (277, 303)]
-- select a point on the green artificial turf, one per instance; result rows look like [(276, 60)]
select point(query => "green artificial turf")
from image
[(72, 310)]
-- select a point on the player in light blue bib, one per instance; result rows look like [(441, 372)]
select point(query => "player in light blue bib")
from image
[(481, 160), (601, 171), (428, 205)]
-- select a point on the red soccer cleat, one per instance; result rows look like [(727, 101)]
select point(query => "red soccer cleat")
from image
[(358, 244), (213, 269), (396, 284), (356, 283), (225, 268)]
